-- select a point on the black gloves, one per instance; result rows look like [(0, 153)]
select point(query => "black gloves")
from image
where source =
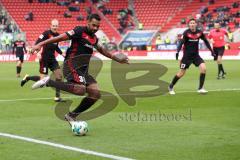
[(177, 54), (214, 55)]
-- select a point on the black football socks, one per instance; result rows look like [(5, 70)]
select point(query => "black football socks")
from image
[(33, 78), (174, 81), (201, 80), (84, 105), (19, 69)]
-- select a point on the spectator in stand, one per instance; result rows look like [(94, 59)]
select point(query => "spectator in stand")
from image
[(74, 8), (11, 27), (80, 17), (220, 15), (209, 15), (79, 1), (203, 10), (123, 25), (100, 5), (167, 40), (226, 19), (106, 11), (64, 3), (140, 26), (235, 5), (211, 23), (230, 35), (112, 46), (211, 1), (238, 14), (2, 28), (29, 16), (130, 24), (43, 1), (88, 10), (67, 14), (178, 39), (159, 42), (183, 21), (3, 17), (95, 1), (125, 20), (104, 41), (2, 44), (7, 43), (236, 23)]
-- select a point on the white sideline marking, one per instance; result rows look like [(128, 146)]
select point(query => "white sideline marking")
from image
[(127, 94), (64, 147)]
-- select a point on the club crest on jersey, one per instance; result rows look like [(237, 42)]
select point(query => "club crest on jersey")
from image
[(90, 39), (194, 36)]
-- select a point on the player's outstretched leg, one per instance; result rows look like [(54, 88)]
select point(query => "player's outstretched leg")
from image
[(74, 88), (202, 68), (26, 78), (174, 81), (86, 103)]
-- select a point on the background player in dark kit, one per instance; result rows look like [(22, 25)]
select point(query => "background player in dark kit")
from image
[(19, 48), (191, 55)]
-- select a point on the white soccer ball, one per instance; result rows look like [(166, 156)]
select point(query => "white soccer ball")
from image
[(80, 128)]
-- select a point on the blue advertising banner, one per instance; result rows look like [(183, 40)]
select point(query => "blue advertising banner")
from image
[(138, 38)]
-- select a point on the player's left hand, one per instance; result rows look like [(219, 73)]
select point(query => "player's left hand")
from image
[(39, 56), (35, 48), (214, 56), (121, 58)]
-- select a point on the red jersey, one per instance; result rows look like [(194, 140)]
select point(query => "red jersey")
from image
[(218, 37)]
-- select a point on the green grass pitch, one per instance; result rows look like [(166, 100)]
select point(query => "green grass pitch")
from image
[(207, 126)]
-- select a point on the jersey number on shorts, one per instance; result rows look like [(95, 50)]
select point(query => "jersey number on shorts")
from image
[(44, 70), (82, 79), (183, 66)]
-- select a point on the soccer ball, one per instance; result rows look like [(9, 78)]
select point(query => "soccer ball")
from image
[(80, 128)]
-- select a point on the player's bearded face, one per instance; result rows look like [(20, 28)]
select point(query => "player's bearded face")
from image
[(192, 25), (93, 25)]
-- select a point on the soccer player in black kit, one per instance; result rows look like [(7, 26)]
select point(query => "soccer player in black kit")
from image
[(75, 70), (47, 58), (191, 55), (19, 48)]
